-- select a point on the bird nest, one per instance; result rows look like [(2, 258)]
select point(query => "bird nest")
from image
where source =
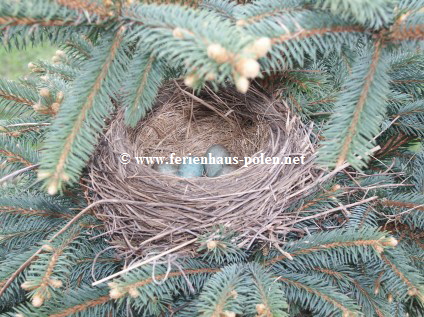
[(148, 211)]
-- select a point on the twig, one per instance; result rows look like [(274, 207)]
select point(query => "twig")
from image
[(353, 179), (203, 103), (390, 124), (144, 262), (331, 210), (16, 173), (277, 246), (418, 207), (27, 124), (334, 172), (379, 186)]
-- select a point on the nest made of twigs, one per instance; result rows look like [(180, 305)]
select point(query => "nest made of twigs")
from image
[(166, 210)]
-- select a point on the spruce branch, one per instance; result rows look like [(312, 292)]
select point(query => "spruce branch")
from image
[(407, 81), (149, 286), (27, 124), (69, 311), (5, 95), (393, 144), (402, 204), (322, 196), (42, 276), (27, 21), (352, 238), (414, 287), (362, 216), (45, 14), (76, 301), (79, 48), (183, 3), (178, 42), (408, 26), (266, 297), (223, 293), (331, 272), (22, 21), (31, 211), (90, 102), (371, 13), (326, 247), (57, 234), (329, 211), (222, 7), (142, 263), (377, 283), (370, 298), (412, 216), (89, 6), (323, 295), (14, 157), (14, 294), (34, 212), (259, 11), (16, 173), (124, 287), (37, 205), (363, 295), (307, 33), (359, 105), (208, 44), (145, 78), (66, 72), (17, 93), (18, 151)]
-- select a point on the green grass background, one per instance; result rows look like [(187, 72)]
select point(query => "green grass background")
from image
[(14, 63)]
